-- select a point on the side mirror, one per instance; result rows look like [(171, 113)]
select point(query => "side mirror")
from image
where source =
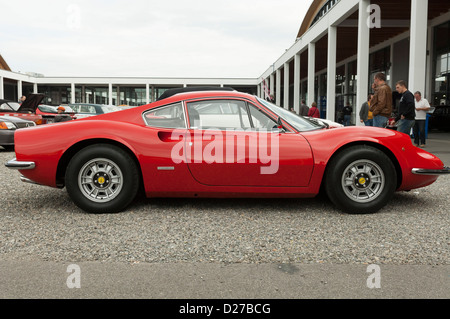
[(279, 126)]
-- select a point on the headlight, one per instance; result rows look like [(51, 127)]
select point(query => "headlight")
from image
[(7, 126)]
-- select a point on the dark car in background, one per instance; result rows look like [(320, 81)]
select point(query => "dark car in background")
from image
[(8, 126), (440, 118), (83, 110)]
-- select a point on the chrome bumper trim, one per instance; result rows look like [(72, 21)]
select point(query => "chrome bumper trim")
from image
[(27, 180), (14, 164), (421, 171)]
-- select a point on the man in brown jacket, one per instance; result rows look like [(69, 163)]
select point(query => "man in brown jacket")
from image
[(381, 104)]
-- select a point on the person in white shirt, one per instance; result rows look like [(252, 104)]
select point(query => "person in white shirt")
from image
[(422, 107)]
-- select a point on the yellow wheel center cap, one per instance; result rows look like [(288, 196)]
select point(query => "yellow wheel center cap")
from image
[(362, 181), (101, 180)]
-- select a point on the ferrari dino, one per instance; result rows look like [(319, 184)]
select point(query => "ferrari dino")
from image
[(220, 143)]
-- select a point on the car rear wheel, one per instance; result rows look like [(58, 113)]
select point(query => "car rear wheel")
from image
[(102, 178), (360, 180)]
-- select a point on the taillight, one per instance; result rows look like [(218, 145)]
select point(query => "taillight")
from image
[(38, 122)]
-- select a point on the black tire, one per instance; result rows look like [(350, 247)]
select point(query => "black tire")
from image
[(115, 179), (360, 180)]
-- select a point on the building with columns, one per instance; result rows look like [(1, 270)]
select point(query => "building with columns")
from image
[(340, 45)]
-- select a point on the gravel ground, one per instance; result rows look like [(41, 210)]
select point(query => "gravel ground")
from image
[(42, 224)]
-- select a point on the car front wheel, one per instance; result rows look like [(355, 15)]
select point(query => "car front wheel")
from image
[(360, 180), (102, 178)]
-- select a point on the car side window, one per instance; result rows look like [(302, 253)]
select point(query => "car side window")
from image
[(218, 114), (260, 120), (87, 109), (171, 116)]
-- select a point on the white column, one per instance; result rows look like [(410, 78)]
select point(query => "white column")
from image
[(331, 73), (147, 93), (35, 88), (19, 88), (2, 90), (311, 73), (258, 90), (110, 94), (72, 93), (297, 83), (391, 69), (418, 45), (429, 84), (272, 83), (362, 84), (286, 86), (278, 89)]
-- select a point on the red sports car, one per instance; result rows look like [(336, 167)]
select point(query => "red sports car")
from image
[(220, 143)]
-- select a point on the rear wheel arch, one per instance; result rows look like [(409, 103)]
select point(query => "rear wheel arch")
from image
[(74, 149)]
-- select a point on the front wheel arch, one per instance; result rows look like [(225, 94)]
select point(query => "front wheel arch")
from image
[(361, 170), (380, 147)]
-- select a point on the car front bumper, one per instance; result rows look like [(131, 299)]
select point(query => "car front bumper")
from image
[(437, 172), (17, 165)]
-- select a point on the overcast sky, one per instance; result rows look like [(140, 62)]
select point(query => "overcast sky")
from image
[(164, 38)]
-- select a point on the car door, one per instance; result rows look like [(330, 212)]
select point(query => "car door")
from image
[(232, 142)]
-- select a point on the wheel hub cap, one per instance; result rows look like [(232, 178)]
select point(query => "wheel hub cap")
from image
[(363, 181), (100, 180)]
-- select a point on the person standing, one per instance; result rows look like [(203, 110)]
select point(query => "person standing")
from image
[(406, 109), (365, 115), (348, 110), (304, 109), (314, 111), (381, 105), (422, 107)]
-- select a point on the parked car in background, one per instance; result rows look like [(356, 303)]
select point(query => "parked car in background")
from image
[(26, 110), (8, 126), (83, 110), (49, 112), (440, 118), (215, 144)]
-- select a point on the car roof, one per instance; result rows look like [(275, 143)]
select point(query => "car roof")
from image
[(172, 92)]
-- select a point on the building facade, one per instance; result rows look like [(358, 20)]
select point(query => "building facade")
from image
[(340, 45), (129, 91)]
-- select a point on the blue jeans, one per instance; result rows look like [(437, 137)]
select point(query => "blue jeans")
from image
[(368, 122), (347, 119), (380, 121), (419, 132), (405, 126)]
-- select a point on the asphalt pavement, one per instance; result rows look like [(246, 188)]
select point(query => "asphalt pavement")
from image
[(225, 249)]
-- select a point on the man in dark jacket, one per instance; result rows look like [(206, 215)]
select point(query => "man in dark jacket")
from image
[(304, 109), (406, 109)]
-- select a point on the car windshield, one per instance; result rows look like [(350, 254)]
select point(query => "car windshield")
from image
[(110, 108), (14, 105), (302, 124)]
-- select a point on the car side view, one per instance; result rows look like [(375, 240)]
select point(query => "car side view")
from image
[(224, 144)]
